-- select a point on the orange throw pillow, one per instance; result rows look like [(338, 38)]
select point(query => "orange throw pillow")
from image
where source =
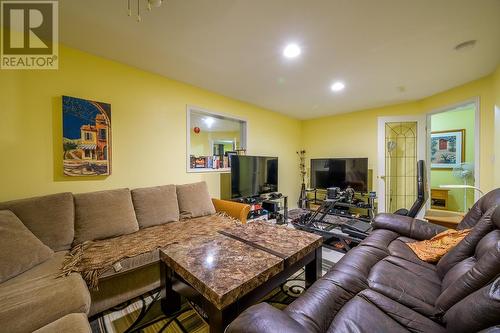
[(433, 249)]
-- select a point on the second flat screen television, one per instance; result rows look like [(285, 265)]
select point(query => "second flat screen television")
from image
[(253, 175), (340, 172)]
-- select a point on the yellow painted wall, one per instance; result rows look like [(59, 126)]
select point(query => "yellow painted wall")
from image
[(496, 87), (355, 134), (148, 128), (452, 120), (149, 145)]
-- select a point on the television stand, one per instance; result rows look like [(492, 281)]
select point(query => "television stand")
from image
[(273, 206)]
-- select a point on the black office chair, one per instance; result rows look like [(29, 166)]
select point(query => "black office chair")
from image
[(421, 193)]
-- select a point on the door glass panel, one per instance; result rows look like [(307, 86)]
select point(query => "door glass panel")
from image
[(400, 166)]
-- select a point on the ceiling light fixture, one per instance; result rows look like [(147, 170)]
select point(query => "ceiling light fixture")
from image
[(291, 51), (209, 121), (337, 86), (149, 5)]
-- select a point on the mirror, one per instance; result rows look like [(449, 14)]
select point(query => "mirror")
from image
[(212, 137)]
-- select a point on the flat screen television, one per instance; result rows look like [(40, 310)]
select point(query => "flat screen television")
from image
[(340, 172), (253, 175)]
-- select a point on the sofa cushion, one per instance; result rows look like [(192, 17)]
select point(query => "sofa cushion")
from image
[(194, 200), (467, 247), (155, 205), (410, 284), (71, 323), (34, 303), (395, 245), (476, 276), (373, 312), (486, 202), (20, 250), (50, 218), (50, 268), (316, 308), (478, 311), (104, 214), (120, 288)]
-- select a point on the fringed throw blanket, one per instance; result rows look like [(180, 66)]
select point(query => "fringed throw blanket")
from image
[(433, 249), (92, 258)]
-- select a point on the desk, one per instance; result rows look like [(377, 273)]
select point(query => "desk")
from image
[(446, 219), (439, 198)]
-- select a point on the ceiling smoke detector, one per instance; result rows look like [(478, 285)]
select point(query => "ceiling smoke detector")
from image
[(467, 45)]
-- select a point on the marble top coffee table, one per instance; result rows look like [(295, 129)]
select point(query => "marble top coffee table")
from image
[(226, 272)]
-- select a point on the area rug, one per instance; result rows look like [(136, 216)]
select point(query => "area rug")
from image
[(143, 314)]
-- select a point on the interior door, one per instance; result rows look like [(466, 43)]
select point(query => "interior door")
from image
[(401, 143)]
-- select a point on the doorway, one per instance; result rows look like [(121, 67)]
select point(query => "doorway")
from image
[(401, 143), (453, 156)]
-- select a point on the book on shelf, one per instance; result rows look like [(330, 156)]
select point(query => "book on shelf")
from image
[(209, 162)]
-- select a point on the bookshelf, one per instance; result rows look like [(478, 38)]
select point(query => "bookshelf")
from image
[(202, 170)]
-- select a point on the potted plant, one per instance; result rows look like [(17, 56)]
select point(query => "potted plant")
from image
[(302, 168)]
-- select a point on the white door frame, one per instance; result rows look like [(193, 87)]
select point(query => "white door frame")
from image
[(477, 138), (421, 149)]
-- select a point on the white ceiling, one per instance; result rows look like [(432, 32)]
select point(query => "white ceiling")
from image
[(234, 47)]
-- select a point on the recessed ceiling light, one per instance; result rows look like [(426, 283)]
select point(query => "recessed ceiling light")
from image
[(291, 51), (466, 45), (337, 86)]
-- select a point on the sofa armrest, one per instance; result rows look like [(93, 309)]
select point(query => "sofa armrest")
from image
[(234, 209), (263, 318), (407, 226)]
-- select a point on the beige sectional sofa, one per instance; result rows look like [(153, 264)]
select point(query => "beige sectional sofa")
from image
[(38, 300)]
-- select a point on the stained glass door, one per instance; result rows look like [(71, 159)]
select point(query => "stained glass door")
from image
[(401, 144)]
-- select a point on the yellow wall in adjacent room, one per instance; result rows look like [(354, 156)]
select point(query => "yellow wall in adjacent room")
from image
[(200, 142), (463, 118), (148, 128), (355, 134)]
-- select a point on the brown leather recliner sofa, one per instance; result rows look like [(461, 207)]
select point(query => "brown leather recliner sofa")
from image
[(382, 286)]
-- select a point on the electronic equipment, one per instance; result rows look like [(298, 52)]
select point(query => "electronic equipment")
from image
[(271, 206), (253, 175), (349, 194), (332, 192), (356, 228), (340, 172), (275, 195)]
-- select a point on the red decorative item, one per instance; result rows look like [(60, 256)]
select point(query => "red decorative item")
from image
[(196, 130)]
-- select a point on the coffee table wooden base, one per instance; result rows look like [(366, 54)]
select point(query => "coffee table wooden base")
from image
[(220, 318)]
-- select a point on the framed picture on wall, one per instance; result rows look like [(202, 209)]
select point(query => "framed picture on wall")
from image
[(86, 137), (447, 149)]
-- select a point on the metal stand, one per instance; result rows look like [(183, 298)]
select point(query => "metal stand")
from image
[(345, 233)]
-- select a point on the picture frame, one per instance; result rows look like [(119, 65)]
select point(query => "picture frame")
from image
[(447, 148), (87, 148)]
